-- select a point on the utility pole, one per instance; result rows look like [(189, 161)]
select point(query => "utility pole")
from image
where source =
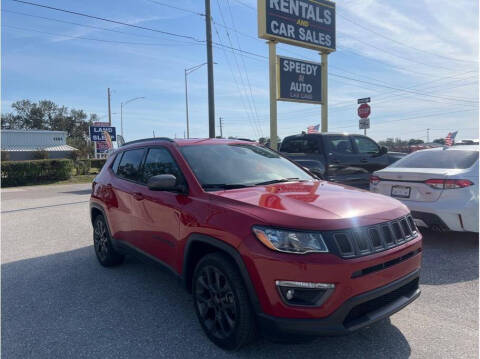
[(211, 95), (428, 135), (109, 109), (220, 120)]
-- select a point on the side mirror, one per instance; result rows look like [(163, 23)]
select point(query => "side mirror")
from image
[(162, 183), (383, 150)]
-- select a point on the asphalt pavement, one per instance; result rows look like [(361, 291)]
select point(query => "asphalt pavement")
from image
[(58, 302)]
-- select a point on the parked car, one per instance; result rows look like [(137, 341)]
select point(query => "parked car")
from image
[(259, 243), (338, 157), (440, 186)]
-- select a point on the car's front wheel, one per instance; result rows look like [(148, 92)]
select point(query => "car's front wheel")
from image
[(221, 302), (106, 254)]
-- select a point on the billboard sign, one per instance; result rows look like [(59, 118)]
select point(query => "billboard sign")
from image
[(298, 80), (97, 133), (305, 23)]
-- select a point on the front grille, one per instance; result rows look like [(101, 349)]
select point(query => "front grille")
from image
[(371, 239), (359, 312)]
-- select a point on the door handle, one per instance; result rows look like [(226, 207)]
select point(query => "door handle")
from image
[(138, 196)]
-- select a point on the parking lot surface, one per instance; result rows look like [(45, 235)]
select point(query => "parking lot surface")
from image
[(58, 302)]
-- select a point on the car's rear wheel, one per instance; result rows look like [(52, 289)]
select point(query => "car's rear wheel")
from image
[(221, 302), (106, 254)]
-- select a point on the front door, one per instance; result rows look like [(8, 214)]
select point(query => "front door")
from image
[(159, 211)]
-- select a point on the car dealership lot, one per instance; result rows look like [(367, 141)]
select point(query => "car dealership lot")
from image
[(57, 301)]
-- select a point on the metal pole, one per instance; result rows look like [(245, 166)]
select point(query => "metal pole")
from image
[(211, 95), (221, 124), (324, 56), (109, 109), (272, 59), (364, 131), (121, 118), (186, 104), (428, 135)]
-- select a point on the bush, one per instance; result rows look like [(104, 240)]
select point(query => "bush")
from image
[(40, 155), (5, 156), (74, 155), (83, 167), (98, 163), (18, 173)]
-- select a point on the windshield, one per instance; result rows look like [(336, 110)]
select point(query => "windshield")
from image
[(447, 159), (235, 166)]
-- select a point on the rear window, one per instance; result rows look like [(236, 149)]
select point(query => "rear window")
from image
[(439, 159), (300, 145)]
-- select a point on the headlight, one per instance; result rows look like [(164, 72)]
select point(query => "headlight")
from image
[(290, 241)]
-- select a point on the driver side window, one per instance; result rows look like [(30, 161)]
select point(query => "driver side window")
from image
[(160, 162), (366, 145)]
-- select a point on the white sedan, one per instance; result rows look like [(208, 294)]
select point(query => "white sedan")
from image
[(439, 186)]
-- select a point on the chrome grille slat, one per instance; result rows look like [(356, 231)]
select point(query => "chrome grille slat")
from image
[(373, 239)]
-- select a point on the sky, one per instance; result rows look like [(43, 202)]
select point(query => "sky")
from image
[(416, 59)]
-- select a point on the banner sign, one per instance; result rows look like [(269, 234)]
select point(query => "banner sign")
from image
[(96, 133), (102, 147), (305, 23), (298, 80)]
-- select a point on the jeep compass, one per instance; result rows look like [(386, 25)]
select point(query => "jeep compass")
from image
[(261, 244)]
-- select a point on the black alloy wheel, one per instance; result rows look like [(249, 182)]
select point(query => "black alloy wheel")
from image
[(106, 254), (221, 302)]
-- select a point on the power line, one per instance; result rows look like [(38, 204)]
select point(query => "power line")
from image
[(110, 20), (399, 42), (94, 39), (175, 7), (85, 25)]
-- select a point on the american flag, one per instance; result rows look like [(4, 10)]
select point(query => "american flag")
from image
[(450, 138), (313, 129)]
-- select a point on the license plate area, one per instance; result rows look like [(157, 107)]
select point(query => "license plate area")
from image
[(400, 192)]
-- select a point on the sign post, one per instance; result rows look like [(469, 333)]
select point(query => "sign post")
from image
[(363, 112), (305, 23), (272, 56)]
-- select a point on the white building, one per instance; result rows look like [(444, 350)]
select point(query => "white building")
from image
[(22, 144)]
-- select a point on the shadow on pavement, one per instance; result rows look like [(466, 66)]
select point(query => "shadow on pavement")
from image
[(79, 192), (67, 305), (449, 257)]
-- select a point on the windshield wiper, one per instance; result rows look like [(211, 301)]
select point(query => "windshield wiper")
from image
[(224, 185), (277, 181)]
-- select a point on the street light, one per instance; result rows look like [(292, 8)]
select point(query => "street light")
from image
[(121, 111), (188, 71)]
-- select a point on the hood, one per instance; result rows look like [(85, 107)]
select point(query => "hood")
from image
[(314, 204)]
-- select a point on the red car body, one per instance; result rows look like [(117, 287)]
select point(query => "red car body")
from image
[(176, 229)]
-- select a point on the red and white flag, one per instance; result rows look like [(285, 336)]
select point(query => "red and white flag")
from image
[(313, 129), (450, 139)]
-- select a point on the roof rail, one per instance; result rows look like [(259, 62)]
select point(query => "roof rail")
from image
[(149, 139)]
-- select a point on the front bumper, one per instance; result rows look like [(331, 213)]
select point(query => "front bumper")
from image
[(357, 312)]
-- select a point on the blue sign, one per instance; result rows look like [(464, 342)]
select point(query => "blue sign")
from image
[(298, 80), (96, 133), (306, 23)]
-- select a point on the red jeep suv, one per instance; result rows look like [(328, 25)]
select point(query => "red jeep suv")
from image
[(259, 242)]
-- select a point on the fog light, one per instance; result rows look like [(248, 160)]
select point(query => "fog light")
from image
[(304, 293)]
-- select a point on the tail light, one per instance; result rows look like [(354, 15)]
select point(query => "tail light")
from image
[(374, 180), (448, 183)]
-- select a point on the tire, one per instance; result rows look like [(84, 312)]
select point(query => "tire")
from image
[(221, 302), (102, 243)]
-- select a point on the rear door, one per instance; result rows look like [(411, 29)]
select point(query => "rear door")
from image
[(125, 187), (370, 157), (343, 162)]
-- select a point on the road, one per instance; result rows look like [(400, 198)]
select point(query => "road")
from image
[(58, 302)]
